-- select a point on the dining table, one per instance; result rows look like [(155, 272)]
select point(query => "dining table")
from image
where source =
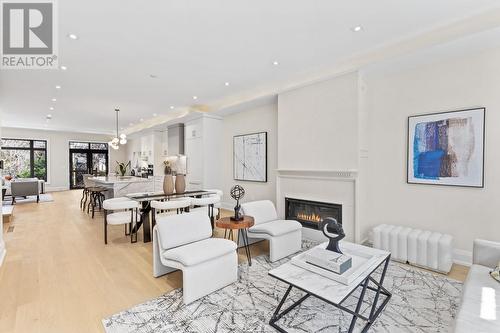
[(145, 199)]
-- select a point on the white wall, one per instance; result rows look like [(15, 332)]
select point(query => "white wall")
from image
[(391, 96), (317, 127), (317, 139), (261, 118), (58, 151)]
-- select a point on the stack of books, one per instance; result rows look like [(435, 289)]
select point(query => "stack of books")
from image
[(331, 261)]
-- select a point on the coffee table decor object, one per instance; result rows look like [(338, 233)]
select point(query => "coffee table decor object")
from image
[(359, 261), (237, 193), (331, 261), (333, 231)]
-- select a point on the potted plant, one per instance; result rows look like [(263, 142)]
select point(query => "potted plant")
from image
[(168, 180), (122, 168)]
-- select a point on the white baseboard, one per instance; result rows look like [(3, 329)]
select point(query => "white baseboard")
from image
[(55, 189), (462, 257)]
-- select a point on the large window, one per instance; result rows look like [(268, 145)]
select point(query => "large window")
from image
[(25, 158)]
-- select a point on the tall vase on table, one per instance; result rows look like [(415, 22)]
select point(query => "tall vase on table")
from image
[(168, 180), (180, 183)]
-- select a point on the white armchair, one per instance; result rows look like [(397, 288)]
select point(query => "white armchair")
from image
[(184, 242), (285, 236)]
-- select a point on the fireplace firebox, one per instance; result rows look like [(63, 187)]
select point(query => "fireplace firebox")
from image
[(311, 213)]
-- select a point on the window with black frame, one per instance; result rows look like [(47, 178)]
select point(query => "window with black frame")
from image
[(25, 158)]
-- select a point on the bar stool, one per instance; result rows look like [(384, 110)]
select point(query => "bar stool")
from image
[(97, 197), (179, 205), (123, 211), (204, 203), (85, 194)]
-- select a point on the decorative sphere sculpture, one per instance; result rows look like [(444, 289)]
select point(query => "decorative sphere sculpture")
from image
[(334, 231), (237, 192)]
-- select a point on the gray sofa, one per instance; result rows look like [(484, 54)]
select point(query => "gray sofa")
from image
[(480, 307), (25, 187)]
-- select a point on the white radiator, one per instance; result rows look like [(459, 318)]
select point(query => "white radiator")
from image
[(427, 249)]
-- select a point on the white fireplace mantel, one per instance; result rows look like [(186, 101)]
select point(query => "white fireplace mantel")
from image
[(336, 186), (349, 174)]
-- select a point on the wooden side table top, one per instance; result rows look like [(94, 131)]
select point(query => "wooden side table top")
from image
[(227, 223)]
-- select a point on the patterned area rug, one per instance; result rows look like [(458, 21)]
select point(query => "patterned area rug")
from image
[(421, 302)]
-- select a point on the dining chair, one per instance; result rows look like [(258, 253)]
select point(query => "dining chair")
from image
[(170, 207)]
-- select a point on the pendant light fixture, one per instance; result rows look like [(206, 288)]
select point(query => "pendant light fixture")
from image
[(119, 139)]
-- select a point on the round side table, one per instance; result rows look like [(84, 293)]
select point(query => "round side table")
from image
[(242, 227)]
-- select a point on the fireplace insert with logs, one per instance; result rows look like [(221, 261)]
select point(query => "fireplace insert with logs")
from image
[(311, 213)]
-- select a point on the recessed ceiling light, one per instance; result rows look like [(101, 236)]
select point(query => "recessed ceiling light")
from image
[(226, 84), (51, 108), (54, 99), (131, 124), (357, 28), (172, 107), (73, 36), (64, 68), (141, 120), (49, 116), (275, 63), (58, 87), (195, 97), (154, 114)]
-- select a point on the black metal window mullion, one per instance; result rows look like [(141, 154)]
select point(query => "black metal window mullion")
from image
[(32, 160), (32, 150)]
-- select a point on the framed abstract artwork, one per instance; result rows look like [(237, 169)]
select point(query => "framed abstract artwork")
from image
[(447, 148), (250, 157)]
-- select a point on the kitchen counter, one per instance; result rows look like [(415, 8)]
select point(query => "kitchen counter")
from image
[(121, 186), (119, 180)]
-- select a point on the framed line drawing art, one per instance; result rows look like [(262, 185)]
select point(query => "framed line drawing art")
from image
[(250, 157), (447, 148)]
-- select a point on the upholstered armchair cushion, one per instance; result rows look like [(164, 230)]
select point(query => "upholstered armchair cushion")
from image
[(199, 252), (182, 229), (276, 228), (262, 211)]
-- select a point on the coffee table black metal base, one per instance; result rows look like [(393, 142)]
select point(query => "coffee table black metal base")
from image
[(365, 285)]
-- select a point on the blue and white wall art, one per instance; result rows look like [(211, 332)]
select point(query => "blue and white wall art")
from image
[(447, 148)]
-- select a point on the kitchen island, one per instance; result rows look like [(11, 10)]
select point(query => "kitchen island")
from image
[(121, 186)]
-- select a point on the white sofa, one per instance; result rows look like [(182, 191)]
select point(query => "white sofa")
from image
[(285, 236), (480, 307), (184, 242)]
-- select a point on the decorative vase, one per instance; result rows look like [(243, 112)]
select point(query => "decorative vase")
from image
[(168, 184), (180, 183)]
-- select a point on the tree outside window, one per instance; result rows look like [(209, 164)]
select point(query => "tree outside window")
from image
[(25, 158)]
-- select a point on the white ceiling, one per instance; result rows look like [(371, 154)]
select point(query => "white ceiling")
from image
[(194, 47)]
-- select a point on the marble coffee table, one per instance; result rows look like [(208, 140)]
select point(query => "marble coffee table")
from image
[(333, 292)]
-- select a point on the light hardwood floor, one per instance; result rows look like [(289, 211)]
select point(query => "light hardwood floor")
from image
[(58, 276)]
